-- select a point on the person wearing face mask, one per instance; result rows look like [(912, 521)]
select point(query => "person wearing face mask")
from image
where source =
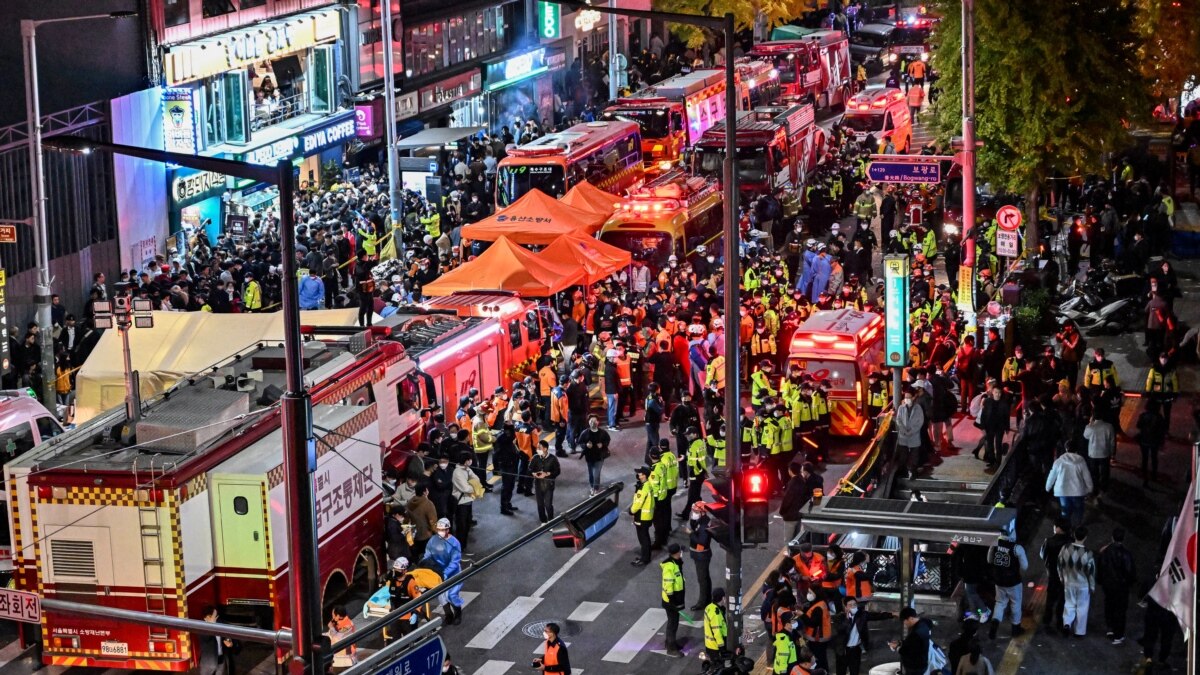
[(700, 551), (545, 470), (909, 419), (852, 636), (818, 627), (554, 658), (785, 650), (441, 483), (642, 509), (445, 555), (1098, 370), (673, 596), (594, 446)]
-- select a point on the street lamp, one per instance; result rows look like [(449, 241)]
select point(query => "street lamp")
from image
[(37, 179), (299, 450)]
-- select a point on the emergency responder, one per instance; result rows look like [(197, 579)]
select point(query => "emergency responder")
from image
[(760, 383), (810, 568), (700, 550), (715, 626), (858, 578), (762, 345), (864, 208), (877, 394), (697, 468), (818, 628), (673, 596), (714, 376), (398, 594), (554, 658), (665, 477), (835, 574), (784, 645), (716, 444), (820, 410), (1162, 384), (642, 509), (1098, 370), (1013, 365)]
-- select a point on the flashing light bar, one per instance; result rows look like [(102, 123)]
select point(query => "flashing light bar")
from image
[(429, 363)]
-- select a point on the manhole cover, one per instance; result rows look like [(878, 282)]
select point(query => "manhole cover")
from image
[(566, 628)]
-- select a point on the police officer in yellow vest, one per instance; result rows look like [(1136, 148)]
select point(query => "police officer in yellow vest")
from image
[(786, 654), (1098, 370), (432, 222), (664, 476), (1162, 384), (714, 372), (716, 445), (672, 595), (715, 626), (760, 383), (697, 465), (877, 394), (750, 279), (642, 509)]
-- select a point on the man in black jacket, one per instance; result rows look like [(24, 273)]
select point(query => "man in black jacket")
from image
[(1117, 574), (683, 417), (914, 649), (995, 422), (852, 635), (578, 400), (545, 469), (1055, 595), (804, 481)]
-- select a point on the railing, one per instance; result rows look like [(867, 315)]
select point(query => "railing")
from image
[(271, 111), (63, 122), (933, 571), (863, 478)]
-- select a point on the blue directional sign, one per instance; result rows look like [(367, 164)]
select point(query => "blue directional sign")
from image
[(904, 169), (425, 659)]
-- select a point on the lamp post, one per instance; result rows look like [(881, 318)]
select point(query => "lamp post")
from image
[(968, 151), (299, 450), (395, 198), (37, 189)]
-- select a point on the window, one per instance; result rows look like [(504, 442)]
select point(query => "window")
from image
[(321, 80), (532, 325), (408, 397), (247, 4), (176, 12), (240, 505), (703, 228), (233, 106), (213, 8), (16, 441), (514, 333), (48, 428)]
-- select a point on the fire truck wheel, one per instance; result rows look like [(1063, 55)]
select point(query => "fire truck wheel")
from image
[(366, 571), (335, 591)]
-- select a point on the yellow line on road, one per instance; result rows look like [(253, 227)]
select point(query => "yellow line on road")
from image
[(1015, 654)]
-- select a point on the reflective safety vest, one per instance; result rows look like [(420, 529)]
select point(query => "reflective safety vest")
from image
[(672, 578), (769, 438), (750, 279), (1012, 368), (432, 224), (800, 670), (670, 464), (817, 626), (715, 628), (785, 653), (658, 481), (718, 449), (696, 456), (1095, 373), (1158, 382), (762, 344), (785, 432), (930, 244), (835, 570), (858, 584), (760, 387), (624, 371), (642, 507), (715, 373), (801, 410), (877, 396), (750, 433), (820, 405), (550, 657), (483, 439)]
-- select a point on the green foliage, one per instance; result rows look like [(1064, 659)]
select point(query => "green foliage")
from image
[(745, 13), (1169, 55), (1031, 315), (1056, 83)]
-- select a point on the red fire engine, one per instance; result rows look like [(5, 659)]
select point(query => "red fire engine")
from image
[(193, 515), (815, 69), (776, 148), (761, 80)]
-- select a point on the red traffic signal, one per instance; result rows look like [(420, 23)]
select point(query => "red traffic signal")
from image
[(755, 485)]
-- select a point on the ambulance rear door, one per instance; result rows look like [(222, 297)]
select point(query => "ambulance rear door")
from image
[(847, 383)]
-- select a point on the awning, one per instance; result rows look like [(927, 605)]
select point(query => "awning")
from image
[(929, 521), (437, 136)]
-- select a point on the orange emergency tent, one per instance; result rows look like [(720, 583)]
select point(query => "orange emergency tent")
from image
[(534, 219), (506, 266), (596, 258), (591, 198)]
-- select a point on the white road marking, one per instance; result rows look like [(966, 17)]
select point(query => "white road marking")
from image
[(587, 611), (639, 634), (558, 574), (502, 623), (494, 668)]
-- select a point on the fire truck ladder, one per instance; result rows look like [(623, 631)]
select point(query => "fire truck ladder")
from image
[(153, 564)]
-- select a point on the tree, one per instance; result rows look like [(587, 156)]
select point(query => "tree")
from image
[(1169, 55), (745, 14), (1056, 85)]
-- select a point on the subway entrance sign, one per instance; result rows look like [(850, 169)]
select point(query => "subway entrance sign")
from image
[(895, 276), (905, 168)]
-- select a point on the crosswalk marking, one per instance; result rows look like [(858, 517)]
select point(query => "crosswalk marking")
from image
[(505, 621), (558, 574), (587, 611), (468, 596), (494, 668), (634, 640)]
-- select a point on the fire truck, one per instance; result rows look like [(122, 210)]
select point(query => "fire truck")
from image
[(777, 147), (761, 80), (193, 514), (814, 70), (843, 347), (674, 114), (671, 215)]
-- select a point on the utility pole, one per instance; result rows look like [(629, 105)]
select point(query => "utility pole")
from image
[(614, 66), (395, 193), (968, 151), (733, 393)]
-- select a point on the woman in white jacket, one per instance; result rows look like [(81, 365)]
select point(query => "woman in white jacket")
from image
[(1070, 481)]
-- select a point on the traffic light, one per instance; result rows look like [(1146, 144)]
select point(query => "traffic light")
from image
[(718, 509), (756, 517)]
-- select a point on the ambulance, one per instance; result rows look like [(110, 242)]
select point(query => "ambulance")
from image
[(672, 215), (24, 423), (883, 113), (842, 346)]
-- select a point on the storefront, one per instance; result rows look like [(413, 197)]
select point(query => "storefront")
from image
[(455, 102), (519, 88), (241, 87)]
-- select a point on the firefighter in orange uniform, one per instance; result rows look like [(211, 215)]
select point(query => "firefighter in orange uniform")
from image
[(340, 628), (835, 570), (555, 659), (858, 581), (818, 627), (810, 568)]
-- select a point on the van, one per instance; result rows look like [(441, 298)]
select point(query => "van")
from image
[(868, 46), (842, 346), (24, 424), (882, 113)]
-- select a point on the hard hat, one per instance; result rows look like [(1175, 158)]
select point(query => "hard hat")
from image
[(673, 258), (443, 524), (717, 323), (400, 564), (701, 248)]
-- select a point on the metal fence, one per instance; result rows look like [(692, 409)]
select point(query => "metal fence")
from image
[(80, 208), (933, 571)]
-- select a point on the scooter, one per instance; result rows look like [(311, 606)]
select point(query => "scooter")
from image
[(1113, 318)]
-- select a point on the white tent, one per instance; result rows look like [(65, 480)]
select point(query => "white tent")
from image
[(180, 344)]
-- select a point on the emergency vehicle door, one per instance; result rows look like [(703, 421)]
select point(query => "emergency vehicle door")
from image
[(241, 527)]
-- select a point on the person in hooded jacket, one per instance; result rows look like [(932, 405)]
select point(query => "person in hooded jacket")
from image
[(1070, 482)]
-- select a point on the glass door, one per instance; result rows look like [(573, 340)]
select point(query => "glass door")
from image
[(321, 81), (236, 104)]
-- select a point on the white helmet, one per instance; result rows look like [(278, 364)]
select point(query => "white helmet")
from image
[(400, 564), (443, 524), (717, 323), (673, 258)]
